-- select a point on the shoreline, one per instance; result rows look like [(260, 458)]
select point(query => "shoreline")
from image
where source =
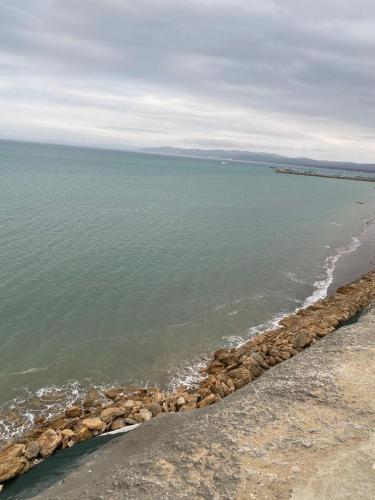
[(227, 371)]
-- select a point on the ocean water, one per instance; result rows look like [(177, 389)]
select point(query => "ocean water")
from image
[(120, 267)]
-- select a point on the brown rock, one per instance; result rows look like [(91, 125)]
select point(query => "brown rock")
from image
[(145, 414), (48, 442), (12, 467), (83, 435), (73, 411), (155, 409), (209, 400), (113, 412), (118, 423), (114, 392), (302, 340), (130, 421), (32, 450), (240, 373), (94, 424)]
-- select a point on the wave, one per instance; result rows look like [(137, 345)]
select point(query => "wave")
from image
[(321, 287)]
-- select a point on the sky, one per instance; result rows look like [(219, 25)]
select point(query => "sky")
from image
[(292, 77)]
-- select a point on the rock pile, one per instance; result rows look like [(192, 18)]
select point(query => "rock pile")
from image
[(227, 371)]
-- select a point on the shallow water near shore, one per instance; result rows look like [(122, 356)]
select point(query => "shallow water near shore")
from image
[(122, 267)]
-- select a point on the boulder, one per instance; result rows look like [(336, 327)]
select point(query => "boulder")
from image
[(302, 340), (113, 412), (114, 392), (48, 442), (83, 435), (12, 467), (94, 424), (145, 414), (240, 373), (155, 409), (209, 400), (73, 411), (118, 423), (32, 450)]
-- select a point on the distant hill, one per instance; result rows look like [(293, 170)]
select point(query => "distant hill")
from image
[(259, 157)]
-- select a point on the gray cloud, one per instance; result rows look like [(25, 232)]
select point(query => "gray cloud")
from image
[(291, 76)]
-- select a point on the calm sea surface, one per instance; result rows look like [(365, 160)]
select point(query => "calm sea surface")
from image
[(123, 267)]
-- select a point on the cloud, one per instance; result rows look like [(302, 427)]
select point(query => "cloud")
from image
[(291, 76)]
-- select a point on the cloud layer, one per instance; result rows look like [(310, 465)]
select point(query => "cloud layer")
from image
[(294, 77)]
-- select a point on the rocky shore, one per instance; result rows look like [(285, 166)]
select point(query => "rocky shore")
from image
[(227, 371)]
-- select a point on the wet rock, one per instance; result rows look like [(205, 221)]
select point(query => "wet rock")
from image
[(32, 450), (73, 411), (48, 442), (114, 392)]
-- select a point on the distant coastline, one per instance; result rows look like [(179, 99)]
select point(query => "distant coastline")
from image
[(310, 173)]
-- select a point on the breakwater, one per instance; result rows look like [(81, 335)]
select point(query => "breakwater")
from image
[(227, 371), (310, 173)]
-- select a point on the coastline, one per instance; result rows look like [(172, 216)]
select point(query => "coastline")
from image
[(227, 371), (303, 430)]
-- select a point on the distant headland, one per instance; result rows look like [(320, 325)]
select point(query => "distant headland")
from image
[(250, 156), (310, 173)]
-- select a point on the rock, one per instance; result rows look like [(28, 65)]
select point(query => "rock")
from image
[(92, 396), (32, 450), (94, 424), (12, 467), (73, 411), (240, 373), (118, 423), (129, 404), (67, 432), (48, 442), (180, 401), (145, 414), (302, 340), (204, 392), (113, 412), (114, 392), (83, 435), (12, 450), (1, 487), (257, 357), (209, 400), (155, 409), (188, 407), (130, 421)]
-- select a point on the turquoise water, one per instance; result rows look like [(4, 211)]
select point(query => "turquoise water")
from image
[(125, 267)]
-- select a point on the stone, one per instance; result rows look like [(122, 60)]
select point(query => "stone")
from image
[(83, 435), (94, 424), (130, 421), (12, 467), (73, 411), (180, 401), (209, 400), (111, 413), (155, 409), (145, 414), (32, 450), (114, 392), (240, 373), (118, 423), (48, 442), (12, 450), (302, 340)]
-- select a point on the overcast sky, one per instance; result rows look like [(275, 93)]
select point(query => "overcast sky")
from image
[(295, 77)]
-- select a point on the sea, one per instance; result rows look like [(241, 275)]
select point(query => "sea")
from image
[(121, 267)]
